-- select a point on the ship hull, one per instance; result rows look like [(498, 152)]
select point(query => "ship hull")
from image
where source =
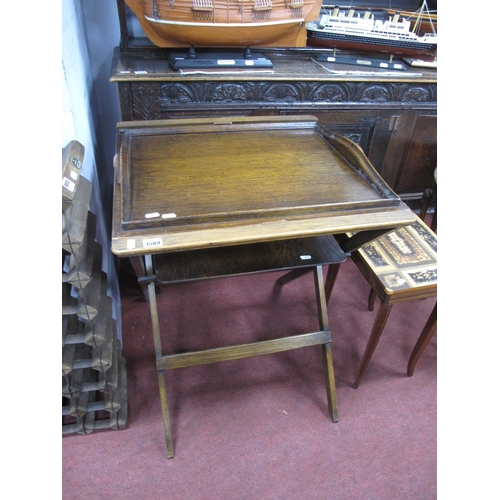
[(368, 44), (225, 23)]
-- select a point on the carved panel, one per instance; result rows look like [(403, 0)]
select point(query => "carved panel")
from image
[(180, 93), (417, 93), (229, 93), (262, 93), (282, 93), (374, 93), (146, 101), (330, 93), (151, 101)]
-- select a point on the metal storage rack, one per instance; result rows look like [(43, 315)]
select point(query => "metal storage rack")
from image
[(94, 383)]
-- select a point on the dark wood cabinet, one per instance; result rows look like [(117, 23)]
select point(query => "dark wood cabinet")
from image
[(392, 118)]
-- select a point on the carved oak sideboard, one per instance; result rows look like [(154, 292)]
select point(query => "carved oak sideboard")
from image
[(392, 118)]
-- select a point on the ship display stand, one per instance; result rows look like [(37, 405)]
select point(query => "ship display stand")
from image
[(94, 384), (364, 61), (244, 59)]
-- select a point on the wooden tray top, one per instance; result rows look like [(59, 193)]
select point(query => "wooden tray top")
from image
[(185, 177)]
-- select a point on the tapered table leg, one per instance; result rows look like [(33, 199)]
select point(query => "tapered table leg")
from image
[(378, 327), (425, 337), (371, 300)]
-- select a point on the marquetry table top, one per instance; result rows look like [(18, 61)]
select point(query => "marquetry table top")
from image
[(405, 258)]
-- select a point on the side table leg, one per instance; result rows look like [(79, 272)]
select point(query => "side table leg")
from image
[(371, 300), (378, 327), (424, 339)]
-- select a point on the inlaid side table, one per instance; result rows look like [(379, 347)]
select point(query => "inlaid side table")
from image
[(400, 267)]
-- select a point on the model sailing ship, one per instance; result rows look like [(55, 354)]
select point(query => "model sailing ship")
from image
[(354, 30), (225, 23)]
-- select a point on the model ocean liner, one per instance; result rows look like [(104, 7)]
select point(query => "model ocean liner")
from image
[(225, 23), (360, 30)]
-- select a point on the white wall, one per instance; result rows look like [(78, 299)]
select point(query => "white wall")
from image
[(90, 109), (45, 70)]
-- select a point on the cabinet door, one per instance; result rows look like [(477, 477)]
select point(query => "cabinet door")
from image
[(416, 171)]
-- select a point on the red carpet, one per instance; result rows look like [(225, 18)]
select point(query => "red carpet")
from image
[(259, 428)]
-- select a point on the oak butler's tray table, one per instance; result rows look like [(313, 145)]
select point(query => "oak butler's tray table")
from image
[(204, 198)]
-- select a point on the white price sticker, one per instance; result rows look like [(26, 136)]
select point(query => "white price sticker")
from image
[(69, 185), (152, 242)]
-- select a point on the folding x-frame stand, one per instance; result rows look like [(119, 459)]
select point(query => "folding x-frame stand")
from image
[(304, 253)]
